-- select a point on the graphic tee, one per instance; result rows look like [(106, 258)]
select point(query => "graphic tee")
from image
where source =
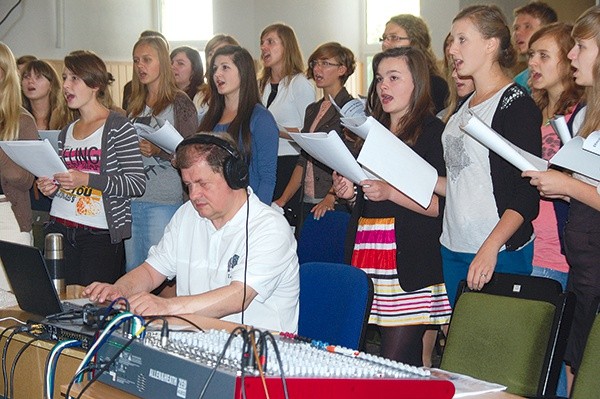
[(83, 204)]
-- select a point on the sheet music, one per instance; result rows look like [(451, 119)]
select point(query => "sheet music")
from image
[(382, 156), (166, 137), (37, 157), (329, 149), (51, 136), (519, 158), (353, 108), (287, 147), (592, 143), (573, 157), (359, 125), (559, 124)]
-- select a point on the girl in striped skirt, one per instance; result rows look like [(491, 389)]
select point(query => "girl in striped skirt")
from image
[(391, 237)]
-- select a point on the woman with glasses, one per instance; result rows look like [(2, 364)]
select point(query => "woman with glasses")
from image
[(408, 30), (235, 108), (329, 65)]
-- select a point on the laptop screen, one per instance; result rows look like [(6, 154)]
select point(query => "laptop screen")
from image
[(31, 283)]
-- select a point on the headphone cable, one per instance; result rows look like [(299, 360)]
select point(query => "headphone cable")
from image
[(246, 257)]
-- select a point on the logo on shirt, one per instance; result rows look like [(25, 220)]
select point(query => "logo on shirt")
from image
[(233, 261)]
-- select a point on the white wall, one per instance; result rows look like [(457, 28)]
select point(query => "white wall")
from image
[(111, 27), (108, 27)]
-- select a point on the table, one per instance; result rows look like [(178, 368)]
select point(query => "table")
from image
[(29, 375)]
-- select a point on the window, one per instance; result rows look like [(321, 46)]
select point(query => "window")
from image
[(186, 21), (377, 13)]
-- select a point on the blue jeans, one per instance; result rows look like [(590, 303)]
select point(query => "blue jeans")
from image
[(551, 273), (455, 266), (149, 221)]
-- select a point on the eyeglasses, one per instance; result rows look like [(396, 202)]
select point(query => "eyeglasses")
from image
[(322, 64), (392, 38)]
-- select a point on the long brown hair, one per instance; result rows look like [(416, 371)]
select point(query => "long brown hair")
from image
[(561, 33), (418, 34), (421, 105), (167, 89), (587, 26), (216, 41), (239, 128), (42, 68), (10, 100), (292, 56), (491, 23)]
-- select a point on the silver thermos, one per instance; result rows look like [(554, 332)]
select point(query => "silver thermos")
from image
[(53, 252)]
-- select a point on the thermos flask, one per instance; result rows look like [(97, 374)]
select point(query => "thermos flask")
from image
[(53, 252)]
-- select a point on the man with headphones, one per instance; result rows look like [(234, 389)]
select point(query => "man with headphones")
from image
[(234, 257)]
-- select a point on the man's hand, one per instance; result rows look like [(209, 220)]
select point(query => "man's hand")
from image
[(146, 304), (102, 292)]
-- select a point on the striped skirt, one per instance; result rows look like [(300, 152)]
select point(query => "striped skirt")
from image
[(375, 253)]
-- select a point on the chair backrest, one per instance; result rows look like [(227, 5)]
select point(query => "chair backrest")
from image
[(587, 380), (323, 240), (335, 303), (513, 332)]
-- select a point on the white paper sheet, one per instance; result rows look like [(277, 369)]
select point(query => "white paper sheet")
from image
[(329, 149), (519, 158), (352, 108), (167, 137), (559, 124), (287, 147), (51, 136), (393, 161), (37, 157), (359, 125), (573, 157), (592, 143)]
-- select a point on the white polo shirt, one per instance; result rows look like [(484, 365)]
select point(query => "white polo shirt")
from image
[(204, 258)]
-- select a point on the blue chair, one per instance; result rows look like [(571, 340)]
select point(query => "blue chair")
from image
[(323, 240), (335, 303)]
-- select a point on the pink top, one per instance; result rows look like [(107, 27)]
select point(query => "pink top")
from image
[(546, 248)]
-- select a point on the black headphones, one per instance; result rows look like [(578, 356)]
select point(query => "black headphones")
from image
[(235, 169)]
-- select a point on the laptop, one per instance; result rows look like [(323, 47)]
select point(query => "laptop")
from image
[(31, 283)]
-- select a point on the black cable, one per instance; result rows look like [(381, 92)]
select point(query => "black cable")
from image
[(10, 11), (11, 390), (244, 333), (110, 361), (246, 257), (76, 376), (196, 326), (105, 366), (278, 355), (16, 329)]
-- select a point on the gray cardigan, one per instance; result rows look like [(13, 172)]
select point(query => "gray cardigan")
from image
[(121, 173)]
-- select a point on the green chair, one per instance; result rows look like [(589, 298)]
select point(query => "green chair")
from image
[(587, 380), (513, 332)]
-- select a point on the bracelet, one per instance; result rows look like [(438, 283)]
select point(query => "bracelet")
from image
[(353, 198)]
